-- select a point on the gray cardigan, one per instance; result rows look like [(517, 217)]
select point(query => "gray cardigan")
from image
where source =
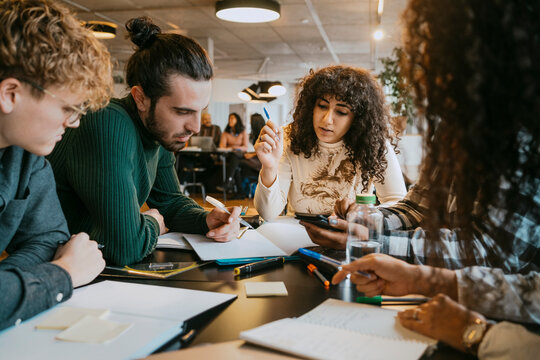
[(31, 225)]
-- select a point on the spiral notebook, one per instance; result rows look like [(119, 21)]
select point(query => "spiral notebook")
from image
[(342, 330)]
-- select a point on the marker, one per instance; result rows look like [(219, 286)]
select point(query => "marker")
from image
[(259, 265), (328, 260), (64, 242), (220, 205), (312, 268), (379, 300)]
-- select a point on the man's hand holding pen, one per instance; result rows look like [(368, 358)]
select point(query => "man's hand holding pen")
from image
[(81, 258)]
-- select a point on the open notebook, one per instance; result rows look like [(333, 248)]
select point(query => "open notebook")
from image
[(341, 330), (280, 237)]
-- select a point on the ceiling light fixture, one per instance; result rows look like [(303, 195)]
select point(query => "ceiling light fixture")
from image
[(102, 29), (248, 11), (378, 35), (277, 89), (263, 91)]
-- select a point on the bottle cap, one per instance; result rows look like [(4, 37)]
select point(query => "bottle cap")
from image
[(366, 199)]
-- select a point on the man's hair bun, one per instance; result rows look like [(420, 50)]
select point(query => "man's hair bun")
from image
[(142, 31)]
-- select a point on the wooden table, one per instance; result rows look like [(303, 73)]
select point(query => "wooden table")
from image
[(227, 321)]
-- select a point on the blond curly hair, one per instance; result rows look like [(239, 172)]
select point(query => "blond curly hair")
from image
[(44, 43)]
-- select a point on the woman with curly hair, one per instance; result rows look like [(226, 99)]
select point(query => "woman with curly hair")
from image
[(474, 67), (338, 145)]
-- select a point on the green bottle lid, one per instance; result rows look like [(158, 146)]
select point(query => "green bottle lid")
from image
[(366, 199)]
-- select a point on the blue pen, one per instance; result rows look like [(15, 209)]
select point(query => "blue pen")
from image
[(328, 260), (266, 113)]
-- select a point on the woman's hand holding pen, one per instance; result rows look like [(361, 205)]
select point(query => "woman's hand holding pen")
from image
[(223, 227), (396, 277), (393, 276), (81, 258), (269, 148)]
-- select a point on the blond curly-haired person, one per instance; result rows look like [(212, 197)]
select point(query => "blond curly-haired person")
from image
[(52, 71)]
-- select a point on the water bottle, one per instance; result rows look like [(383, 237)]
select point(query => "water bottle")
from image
[(365, 228)]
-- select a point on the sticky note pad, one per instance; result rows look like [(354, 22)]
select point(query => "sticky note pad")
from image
[(268, 288), (93, 330), (64, 317)]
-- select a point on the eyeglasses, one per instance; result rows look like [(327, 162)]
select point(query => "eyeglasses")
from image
[(75, 114)]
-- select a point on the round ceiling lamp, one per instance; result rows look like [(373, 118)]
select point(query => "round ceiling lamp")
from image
[(248, 11), (277, 89), (102, 29)]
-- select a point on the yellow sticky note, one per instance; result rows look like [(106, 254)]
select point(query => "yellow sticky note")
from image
[(64, 317), (266, 288)]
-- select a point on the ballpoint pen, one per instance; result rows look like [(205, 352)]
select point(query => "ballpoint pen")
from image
[(220, 205), (328, 260), (266, 113), (259, 265), (379, 300), (312, 268)]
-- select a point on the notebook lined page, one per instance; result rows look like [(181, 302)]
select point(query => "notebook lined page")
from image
[(320, 342), (365, 319)]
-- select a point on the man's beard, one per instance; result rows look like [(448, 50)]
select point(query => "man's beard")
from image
[(161, 135)]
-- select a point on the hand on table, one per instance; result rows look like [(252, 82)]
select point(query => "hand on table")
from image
[(159, 218), (328, 238), (393, 276), (81, 258), (223, 227), (269, 148), (441, 318)]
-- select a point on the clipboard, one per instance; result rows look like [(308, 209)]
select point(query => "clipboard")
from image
[(155, 270)]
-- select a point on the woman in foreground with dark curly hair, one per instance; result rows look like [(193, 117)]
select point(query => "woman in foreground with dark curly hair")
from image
[(474, 67), (338, 145)]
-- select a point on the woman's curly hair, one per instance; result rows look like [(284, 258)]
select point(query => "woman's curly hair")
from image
[(366, 139), (475, 70), (44, 43)]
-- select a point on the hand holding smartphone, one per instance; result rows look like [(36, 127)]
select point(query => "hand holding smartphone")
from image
[(316, 219)]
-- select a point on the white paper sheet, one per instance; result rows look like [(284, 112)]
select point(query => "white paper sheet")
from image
[(286, 233), (146, 300), (251, 244)]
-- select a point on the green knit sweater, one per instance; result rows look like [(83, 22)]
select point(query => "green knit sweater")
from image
[(106, 170)]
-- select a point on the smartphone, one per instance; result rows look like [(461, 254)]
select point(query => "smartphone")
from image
[(316, 219)]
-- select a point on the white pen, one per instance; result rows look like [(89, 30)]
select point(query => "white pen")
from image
[(221, 206)]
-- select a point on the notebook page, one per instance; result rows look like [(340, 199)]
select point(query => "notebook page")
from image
[(319, 342), (286, 233), (251, 244), (362, 318)]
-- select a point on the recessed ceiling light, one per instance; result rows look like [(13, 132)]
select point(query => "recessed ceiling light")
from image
[(378, 34)]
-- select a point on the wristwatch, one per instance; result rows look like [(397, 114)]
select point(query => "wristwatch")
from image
[(474, 333)]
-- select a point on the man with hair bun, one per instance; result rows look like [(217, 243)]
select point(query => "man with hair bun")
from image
[(51, 71), (122, 156)]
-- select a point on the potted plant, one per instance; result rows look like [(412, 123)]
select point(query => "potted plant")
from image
[(398, 90)]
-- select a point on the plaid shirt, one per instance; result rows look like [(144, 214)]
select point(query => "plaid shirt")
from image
[(509, 291)]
